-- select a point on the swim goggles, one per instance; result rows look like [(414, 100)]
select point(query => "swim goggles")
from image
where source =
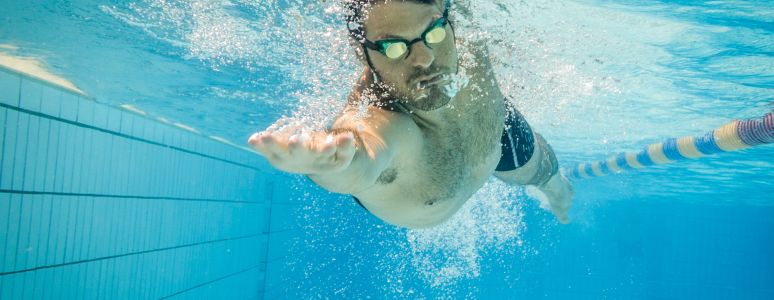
[(400, 48)]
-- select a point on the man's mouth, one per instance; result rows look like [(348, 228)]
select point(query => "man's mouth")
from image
[(432, 80)]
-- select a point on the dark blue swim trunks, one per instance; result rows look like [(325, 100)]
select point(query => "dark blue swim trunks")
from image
[(517, 144)]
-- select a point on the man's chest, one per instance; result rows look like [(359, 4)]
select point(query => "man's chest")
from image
[(469, 134), (460, 152), (457, 157)]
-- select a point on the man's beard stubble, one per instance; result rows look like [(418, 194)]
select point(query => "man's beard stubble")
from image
[(434, 99)]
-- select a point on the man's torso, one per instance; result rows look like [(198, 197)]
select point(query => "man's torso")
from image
[(461, 149)]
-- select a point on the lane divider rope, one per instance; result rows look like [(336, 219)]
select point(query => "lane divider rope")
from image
[(736, 135)]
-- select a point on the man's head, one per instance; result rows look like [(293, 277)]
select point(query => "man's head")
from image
[(381, 28)]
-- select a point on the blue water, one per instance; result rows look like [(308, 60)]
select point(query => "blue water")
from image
[(595, 77)]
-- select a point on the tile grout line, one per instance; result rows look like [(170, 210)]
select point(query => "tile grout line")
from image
[(127, 136), (129, 254)]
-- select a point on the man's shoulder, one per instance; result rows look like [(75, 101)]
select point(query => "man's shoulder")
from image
[(365, 99), (371, 112)]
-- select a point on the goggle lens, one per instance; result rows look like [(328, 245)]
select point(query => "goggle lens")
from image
[(395, 50), (436, 35)]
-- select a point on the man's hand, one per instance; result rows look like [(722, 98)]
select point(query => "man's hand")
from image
[(556, 194), (305, 153)]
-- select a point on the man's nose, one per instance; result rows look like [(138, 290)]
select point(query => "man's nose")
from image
[(422, 56)]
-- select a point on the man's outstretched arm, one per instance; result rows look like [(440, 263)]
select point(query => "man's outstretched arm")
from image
[(346, 159)]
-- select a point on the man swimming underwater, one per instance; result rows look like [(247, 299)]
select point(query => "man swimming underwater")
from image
[(420, 150)]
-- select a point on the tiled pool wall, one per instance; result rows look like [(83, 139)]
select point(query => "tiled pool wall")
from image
[(99, 202)]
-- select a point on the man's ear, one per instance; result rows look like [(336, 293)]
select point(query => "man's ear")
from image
[(358, 48)]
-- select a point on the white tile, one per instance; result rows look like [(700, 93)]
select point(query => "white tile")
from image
[(32, 153), (126, 123), (87, 213), (51, 101), (99, 280), (44, 239), (87, 162), (91, 165), (178, 138), (70, 282), (12, 217), (114, 119), (9, 148), (113, 271), (156, 132), (110, 228), (92, 288), (20, 154), (101, 116), (100, 163), (60, 276), (77, 158), (42, 284), (68, 226), (80, 280), (86, 229), (33, 233), (111, 157), (55, 236), (5, 130), (71, 159), (100, 223), (9, 88), (48, 283), (69, 107), (5, 210), (117, 160), (12, 286), (51, 160), (43, 141), (76, 227), (62, 159), (31, 93), (85, 111), (138, 126)]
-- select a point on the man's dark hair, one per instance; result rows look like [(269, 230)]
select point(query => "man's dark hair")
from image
[(356, 13)]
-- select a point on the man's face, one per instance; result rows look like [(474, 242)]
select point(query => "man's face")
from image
[(413, 77)]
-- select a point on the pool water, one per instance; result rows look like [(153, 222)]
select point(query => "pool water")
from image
[(594, 77)]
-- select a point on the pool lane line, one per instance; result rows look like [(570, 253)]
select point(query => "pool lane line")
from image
[(733, 136)]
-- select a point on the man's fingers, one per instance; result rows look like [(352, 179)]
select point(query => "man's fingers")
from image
[(296, 143), (272, 143), (326, 148), (256, 142), (346, 148), (294, 151), (265, 144), (253, 140)]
